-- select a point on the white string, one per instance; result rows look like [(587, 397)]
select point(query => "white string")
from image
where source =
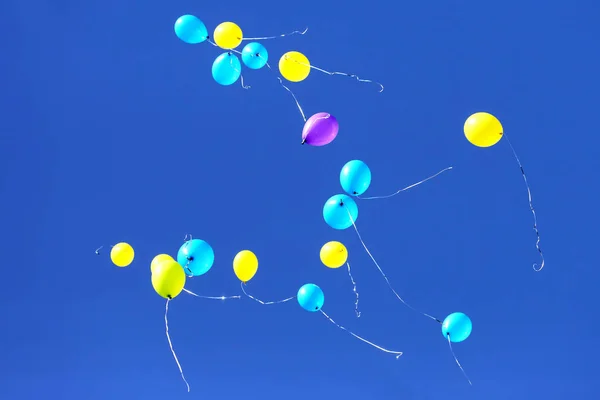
[(278, 36), (211, 297), (171, 346), (397, 353), (406, 188), (289, 90), (237, 70), (264, 302), (535, 228), (355, 291), (187, 235), (456, 359), (97, 251)]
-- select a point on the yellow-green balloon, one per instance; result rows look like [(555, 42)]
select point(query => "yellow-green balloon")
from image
[(168, 279)]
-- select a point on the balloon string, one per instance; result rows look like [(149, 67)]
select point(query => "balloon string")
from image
[(289, 90), (397, 353), (188, 236), (456, 359), (211, 297), (406, 188), (240, 72), (535, 228), (279, 36), (171, 345), (97, 251), (355, 291), (383, 274), (264, 303)]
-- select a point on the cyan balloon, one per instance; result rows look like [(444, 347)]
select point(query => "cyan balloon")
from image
[(311, 297), (190, 29), (196, 257), (458, 326), (338, 210), (355, 177), (254, 55), (226, 69)]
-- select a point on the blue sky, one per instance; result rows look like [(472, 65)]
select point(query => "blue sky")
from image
[(114, 130)]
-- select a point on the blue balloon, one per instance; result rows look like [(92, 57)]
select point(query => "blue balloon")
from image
[(190, 29), (311, 297), (458, 326), (254, 55), (196, 257), (355, 177), (336, 210), (226, 69)]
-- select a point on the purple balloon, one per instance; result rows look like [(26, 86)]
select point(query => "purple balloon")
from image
[(320, 129)]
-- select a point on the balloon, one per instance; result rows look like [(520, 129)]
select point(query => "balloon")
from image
[(226, 69), (320, 129), (458, 326), (294, 66), (168, 279), (190, 29), (311, 297), (336, 209), (333, 254), (158, 259), (245, 265), (254, 55), (228, 35), (355, 177), (122, 254), (196, 257), (483, 129)]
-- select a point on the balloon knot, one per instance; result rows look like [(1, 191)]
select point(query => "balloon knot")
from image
[(303, 141)]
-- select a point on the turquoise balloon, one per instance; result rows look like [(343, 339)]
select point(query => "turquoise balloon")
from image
[(355, 177), (226, 69), (336, 209), (254, 55), (458, 326), (190, 29), (311, 297), (196, 257)]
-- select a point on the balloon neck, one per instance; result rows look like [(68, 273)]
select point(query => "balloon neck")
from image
[(303, 141), (190, 258)]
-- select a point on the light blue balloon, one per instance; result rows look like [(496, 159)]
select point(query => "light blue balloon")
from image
[(196, 257), (311, 297), (190, 29), (355, 177), (336, 209), (458, 326), (254, 55), (226, 69)]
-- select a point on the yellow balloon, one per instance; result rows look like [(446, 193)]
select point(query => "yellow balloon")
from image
[(228, 35), (333, 254), (168, 279), (483, 129), (245, 265), (122, 254), (158, 259), (294, 66)]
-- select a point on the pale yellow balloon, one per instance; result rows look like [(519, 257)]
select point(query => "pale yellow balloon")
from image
[(228, 35), (158, 259), (122, 254), (333, 254), (168, 279), (245, 265), (294, 66), (483, 129)]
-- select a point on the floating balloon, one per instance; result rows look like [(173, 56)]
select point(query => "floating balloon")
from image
[(254, 55), (245, 265), (190, 29), (333, 254), (355, 177), (226, 69), (196, 257), (311, 297), (340, 211), (483, 129), (458, 326), (168, 279), (158, 259), (122, 254), (320, 129), (294, 66), (228, 35)]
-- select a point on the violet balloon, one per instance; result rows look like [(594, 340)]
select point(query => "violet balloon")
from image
[(320, 129)]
